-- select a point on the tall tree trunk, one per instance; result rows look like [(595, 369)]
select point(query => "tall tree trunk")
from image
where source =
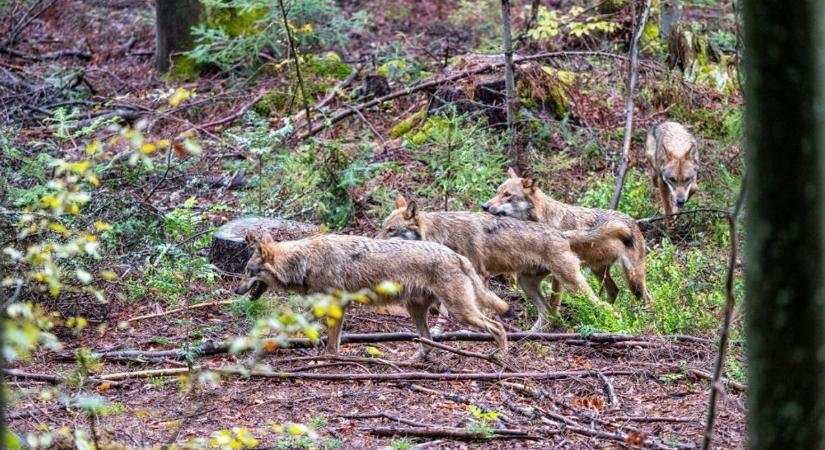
[(509, 82), (175, 19), (785, 220)]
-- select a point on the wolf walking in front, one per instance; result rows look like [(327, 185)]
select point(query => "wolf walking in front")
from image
[(521, 198), (500, 245), (427, 272), (672, 152)]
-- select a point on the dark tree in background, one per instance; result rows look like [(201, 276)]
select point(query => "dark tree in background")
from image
[(785, 271), (175, 19)]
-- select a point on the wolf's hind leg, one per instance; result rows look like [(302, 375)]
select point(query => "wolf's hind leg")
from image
[(531, 285), (418, 313)]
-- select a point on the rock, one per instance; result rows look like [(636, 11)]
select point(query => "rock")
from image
[(229, 251)]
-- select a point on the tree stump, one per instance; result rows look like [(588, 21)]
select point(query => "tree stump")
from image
[(229, 251)]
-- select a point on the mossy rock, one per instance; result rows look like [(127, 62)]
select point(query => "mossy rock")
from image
[(328, 65)]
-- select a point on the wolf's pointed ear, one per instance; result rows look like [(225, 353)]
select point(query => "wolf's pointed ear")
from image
[(529, 184), (412, 210), (251, 238), (400, 201), (266, 246), (511, 173)]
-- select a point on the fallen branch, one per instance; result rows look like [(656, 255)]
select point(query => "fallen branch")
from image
[(633, 69), (697, 373), (177, 310), (52, 379), (331, 94), (212, 348), (235, 115), (396, 376), (449, 432), (488, 358), (650, 419), (348, 111), (383, 415), (609, 391)]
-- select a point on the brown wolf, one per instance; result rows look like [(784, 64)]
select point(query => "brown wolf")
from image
[(427, 272), (672, 152), (521, 198), (500, 245)]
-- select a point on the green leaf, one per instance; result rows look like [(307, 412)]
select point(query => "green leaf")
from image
[(13, 442)]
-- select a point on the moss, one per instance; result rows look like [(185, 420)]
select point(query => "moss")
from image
[(404, 127), (396, 69), (650, 41), (432, 125), (236, 21), (327, 66), (184, 68), (558, 93), (612, 6)]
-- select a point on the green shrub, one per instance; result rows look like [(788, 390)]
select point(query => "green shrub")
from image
[(637, 198)]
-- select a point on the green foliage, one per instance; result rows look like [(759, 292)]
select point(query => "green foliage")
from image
[(238, 31), (637, 199), (482, 420), (550, 24), (251, 310), (687, 296), (403, 443), (482, 18), (316, 181), (461, 157)]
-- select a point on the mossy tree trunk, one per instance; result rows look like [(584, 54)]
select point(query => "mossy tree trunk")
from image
[(175, 19), (785, 220)]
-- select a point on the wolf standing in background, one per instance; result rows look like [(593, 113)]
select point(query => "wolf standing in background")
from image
[(521, 198), (427, 272), (500, 245), (672, 152)]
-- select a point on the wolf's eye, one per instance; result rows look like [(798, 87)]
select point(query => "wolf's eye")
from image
[(673, 180)]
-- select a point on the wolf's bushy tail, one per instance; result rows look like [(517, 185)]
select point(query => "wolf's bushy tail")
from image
[(486, 298), (611, 229)]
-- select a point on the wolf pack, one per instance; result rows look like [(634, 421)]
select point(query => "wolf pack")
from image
[(445, 259)]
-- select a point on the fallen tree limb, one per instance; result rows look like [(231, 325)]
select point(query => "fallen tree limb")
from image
[(241, 111), (488, 358), (448, 432), (52, 379), (348, 111), (395, 376), (212, 348), (177, 310)]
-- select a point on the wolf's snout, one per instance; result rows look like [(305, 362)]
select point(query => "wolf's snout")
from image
[(680, 201), (485, 207)]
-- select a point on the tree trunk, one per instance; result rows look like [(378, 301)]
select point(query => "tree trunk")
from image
[(785, 271), (175, 19)]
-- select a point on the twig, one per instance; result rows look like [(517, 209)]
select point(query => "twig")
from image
[(698, 373), (240, 112), (651, 419), (145, 373), (28, 19), (162, 178), (384, 415), (331, 94), (449, 432), (369, 125), (488, 358), (730, 303), (609, 391), (633, 69), (52, 379), (297, 65), (177, 310)]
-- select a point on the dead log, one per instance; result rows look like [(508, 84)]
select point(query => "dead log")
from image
[(229, 251)]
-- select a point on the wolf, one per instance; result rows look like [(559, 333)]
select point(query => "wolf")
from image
[(523, 199), (500, 245), (427, 272), (672, 152)]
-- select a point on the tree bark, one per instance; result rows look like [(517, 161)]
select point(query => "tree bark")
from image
[(175, 19), (785, 250)]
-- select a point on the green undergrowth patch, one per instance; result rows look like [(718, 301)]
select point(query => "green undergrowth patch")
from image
[(687, 287)]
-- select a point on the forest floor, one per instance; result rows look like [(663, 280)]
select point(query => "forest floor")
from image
[(650, 391)]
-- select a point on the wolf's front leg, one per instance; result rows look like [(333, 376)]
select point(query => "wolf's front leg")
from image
[(418, 313), (334, 336)]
